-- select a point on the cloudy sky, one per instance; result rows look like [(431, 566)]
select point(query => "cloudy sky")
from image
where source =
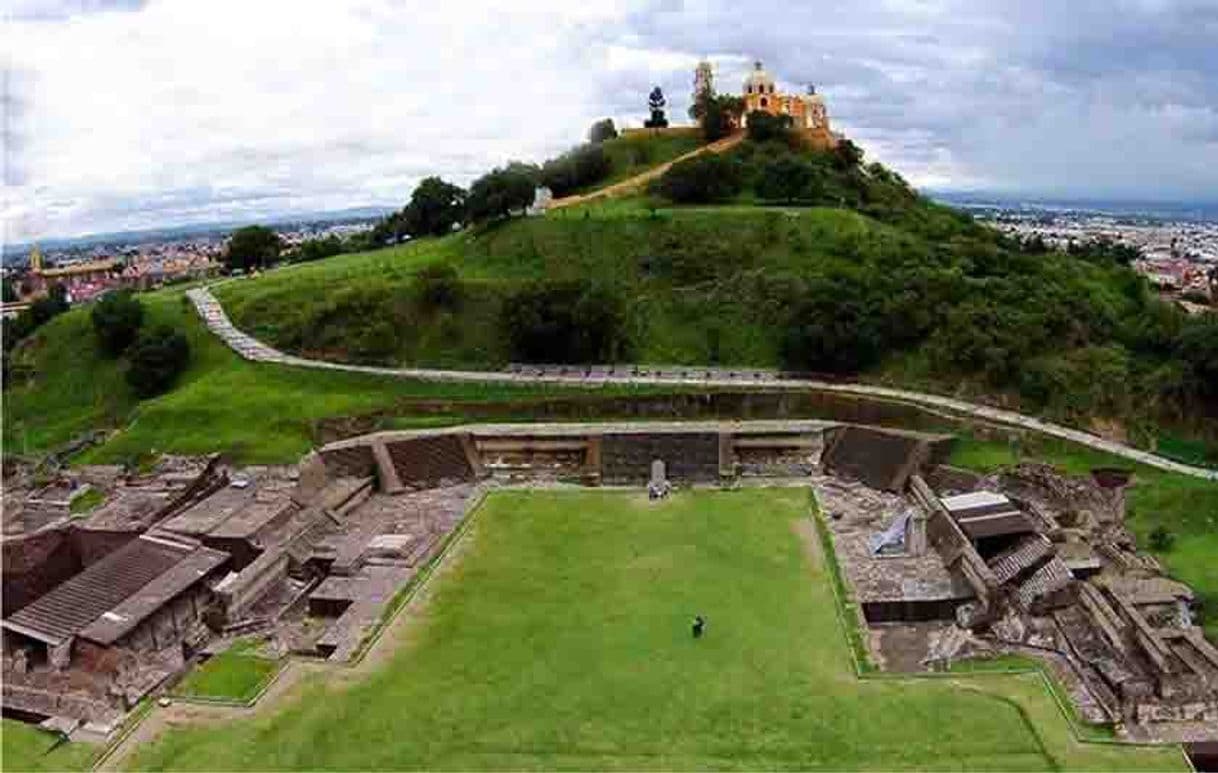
[(121, 114)]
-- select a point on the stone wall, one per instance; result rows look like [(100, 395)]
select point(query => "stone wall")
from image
[(688, 456)]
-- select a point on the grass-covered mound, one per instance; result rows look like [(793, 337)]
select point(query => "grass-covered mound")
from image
[(561, 639), (257, 413), (916, 294)]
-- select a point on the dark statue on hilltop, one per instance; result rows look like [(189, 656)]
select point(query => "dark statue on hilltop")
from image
[(699, 626), (656, 104)]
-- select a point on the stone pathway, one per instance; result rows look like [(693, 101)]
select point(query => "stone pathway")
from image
[(597, 376)]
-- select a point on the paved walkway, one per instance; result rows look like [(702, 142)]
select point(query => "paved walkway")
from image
[(596, 376)]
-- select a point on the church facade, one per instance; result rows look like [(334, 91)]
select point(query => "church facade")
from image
[(807, 111)]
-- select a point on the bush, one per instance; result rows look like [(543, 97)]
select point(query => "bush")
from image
[(602, 130), (116, 320), (319, 249), (500, 192), (788, 178), (835, 328), (566, 322), (157, 358), (577, 168), (1161, 540), (703, 179), (718, 114), (438, 286), (763, 126)]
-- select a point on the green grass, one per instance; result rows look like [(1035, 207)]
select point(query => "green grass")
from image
[(636, 153), (87, 501), (257, 413), (711, 297), (237, 674), (25, 747), (1185, 506), (561, 640)]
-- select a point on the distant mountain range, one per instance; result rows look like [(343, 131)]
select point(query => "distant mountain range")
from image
[(17, 252)]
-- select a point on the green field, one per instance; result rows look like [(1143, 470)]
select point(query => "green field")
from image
[(24, 747), (559, 638), (237, 674)]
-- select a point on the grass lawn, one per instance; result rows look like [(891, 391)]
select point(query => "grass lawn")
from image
[(560, 639), (25, 747), (235, 674), (1187, 507)]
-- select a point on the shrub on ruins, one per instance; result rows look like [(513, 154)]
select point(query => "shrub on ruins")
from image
[(764, 127), (1161, 539), (253, 246), (157, 358), (703, 179), (435, 207), (116, 321), (566, 321), (501, 192), (577, 168), (438, 287)]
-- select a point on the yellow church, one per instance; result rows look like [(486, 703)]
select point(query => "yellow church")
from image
[(807, 111)]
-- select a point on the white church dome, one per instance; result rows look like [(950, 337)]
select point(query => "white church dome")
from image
[(758, 81)]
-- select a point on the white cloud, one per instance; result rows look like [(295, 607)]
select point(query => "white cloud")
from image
[(120, 115), (226, 108)]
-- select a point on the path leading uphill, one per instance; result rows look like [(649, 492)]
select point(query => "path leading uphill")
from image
[(634, 184), (254, 350)]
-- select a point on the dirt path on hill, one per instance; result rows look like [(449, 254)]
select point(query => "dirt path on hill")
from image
[(633, 184)]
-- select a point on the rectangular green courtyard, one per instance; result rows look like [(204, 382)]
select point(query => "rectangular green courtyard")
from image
[(557, 635)]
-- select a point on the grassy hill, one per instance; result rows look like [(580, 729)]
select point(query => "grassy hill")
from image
[(257, 413), (865, 278)]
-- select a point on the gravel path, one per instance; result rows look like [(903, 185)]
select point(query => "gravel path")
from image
[(596, 376)]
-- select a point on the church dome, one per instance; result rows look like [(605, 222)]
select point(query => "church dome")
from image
[(758, 81)]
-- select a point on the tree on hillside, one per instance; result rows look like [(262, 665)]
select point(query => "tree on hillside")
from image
[(574, 169), (847, 155), (9, 292), (834, 328), (157, 358), (566, 321), (788, 179), (703, 179), (720, 115), (500, 192), (253, 246), (317, 249), (116, 320), (435, 207), (656, 104), (764, 126), (1198, 347), (602, 130)]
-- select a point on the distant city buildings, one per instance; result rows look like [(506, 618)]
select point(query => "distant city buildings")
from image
[(1180, 258), (87, 273)]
